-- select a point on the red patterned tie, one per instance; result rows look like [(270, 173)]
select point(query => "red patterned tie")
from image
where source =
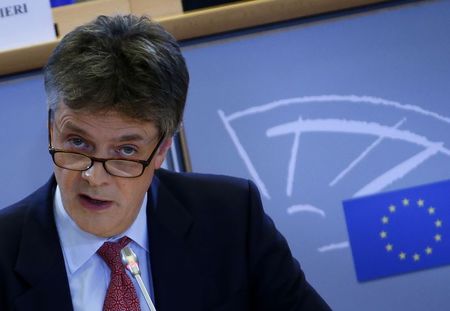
[(121, 294)]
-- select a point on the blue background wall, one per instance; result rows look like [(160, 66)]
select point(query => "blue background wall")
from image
[(323, 110), (25, 163), (314, 111)]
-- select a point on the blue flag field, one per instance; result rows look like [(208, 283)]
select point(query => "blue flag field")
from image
[(400, 231)]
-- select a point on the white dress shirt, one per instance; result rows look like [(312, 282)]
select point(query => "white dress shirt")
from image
[(87, 273)]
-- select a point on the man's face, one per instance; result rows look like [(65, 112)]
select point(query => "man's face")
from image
[(99, 203)]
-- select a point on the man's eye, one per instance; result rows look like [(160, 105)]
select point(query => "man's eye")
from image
[(127, 151), (77, 142)]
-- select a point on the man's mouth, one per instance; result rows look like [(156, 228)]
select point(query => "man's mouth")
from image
[(94, 203)]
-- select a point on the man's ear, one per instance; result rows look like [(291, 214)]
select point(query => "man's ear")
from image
[(161, 154)]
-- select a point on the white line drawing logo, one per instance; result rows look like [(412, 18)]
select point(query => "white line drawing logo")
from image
[(300, 126)]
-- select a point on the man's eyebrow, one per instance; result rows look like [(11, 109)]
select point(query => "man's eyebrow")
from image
[(69, 126), (131, 137)]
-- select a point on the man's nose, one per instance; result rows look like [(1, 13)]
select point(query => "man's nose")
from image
[(96, 175)]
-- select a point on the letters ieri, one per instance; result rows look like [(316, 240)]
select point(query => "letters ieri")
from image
[(13, 10)]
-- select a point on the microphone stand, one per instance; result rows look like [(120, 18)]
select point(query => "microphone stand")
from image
[(131, 263)]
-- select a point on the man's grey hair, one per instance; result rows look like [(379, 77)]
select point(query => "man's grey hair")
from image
[(125, 64)]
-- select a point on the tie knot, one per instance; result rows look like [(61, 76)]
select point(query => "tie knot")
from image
[(110, 252)]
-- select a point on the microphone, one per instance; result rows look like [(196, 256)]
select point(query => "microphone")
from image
[(131, 263)]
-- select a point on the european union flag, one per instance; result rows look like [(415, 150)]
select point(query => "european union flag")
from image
[(400, 231)]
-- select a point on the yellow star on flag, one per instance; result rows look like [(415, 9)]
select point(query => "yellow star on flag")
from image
[(385, 219), (438, 223), (428, 250), (416, 257), (389, 247), (392, 208), (438, 237), (405, 202), (402, 256), (383, 234), (431, 210), (420, 202)]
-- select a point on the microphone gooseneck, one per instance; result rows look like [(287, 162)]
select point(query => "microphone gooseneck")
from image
[(131, 263)]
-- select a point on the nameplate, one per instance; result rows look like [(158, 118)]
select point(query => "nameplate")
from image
[(25, 23)]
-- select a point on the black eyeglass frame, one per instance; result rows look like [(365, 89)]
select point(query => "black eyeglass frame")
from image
[(54, 151)]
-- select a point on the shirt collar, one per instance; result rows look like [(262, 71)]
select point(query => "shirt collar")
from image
[(79, 246)]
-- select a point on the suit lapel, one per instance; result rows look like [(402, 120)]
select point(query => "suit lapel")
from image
[(172, 253), (40, 261)]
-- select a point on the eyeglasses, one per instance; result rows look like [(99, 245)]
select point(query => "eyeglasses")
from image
[(116, 167)]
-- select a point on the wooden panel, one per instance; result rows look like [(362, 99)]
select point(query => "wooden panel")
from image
[(70, 16), (250, 13), (23, 59), (156, 8), (183, 26)]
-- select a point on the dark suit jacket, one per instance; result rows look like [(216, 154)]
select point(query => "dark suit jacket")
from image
[(211, 248)]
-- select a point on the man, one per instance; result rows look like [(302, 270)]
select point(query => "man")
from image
[(116, 90)]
